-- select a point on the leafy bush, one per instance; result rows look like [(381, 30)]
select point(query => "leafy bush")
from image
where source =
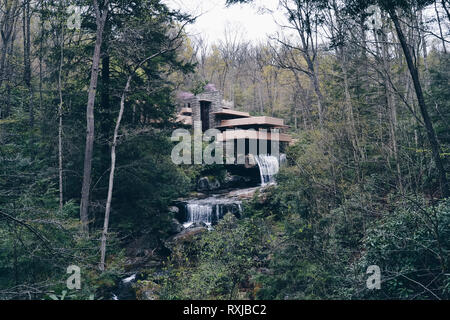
[(412, 247)]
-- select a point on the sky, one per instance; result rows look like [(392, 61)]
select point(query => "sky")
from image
[(252, 21)]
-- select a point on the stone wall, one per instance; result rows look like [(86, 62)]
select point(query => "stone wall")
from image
[(212, 95), (215, 97)]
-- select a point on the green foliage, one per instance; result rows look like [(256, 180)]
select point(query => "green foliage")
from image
[(199, 87), (38, 240), (412, 247), (347, 198), (218, 263)]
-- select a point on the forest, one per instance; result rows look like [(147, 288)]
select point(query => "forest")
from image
[(88, 105)]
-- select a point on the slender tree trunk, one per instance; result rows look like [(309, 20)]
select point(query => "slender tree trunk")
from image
[(423, 40), (9, 73), (111, 176), (6, 32), (342, 59), (423, 108), (391, 106), (444, 5), (40, 67), (5, 43), (313, 75), (440, 27), (113, 162), (60, 111), (306, 102), (85, 191), (27, 59)]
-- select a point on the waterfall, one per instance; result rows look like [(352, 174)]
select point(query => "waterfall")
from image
[(129, 279), (268, 168), (210, 210), (199, 213)]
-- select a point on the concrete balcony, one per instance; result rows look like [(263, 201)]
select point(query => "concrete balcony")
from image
[(253, 122)]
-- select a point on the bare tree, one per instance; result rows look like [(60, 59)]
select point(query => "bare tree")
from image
[(445, 3), (339, 35), (436, 150), (26, 21), (8, 15), (304, 16), (100, 18), (438, 18)]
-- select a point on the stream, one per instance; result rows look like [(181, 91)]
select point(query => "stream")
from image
[(207, 211)]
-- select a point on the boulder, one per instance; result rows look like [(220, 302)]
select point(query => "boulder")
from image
[(208, 184), (188, 233), (174, 209), (175, 227), (235, 181)]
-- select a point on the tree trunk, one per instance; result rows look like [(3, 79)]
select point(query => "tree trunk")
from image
[(40, 65), (423, 40), (27, 59), (111, 176), (423, 108), (6, 32), (313, 75), (440, 27), (113, 162), (60, 111), (85, 191), (9, 72), (390, 102), (444, 5)]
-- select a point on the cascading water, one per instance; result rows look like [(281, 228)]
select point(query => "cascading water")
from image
[(268, 168), (210, 210), (198, 213)]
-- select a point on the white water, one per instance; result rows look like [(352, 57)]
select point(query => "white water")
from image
[(268, 168), (199, 213), (129, 279), (209, 210)]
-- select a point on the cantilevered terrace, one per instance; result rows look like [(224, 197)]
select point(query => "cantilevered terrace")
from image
[(209, 108)]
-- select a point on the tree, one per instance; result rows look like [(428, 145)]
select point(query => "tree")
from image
[(113, 157), (445, 188), (26, 21), (101, 14)]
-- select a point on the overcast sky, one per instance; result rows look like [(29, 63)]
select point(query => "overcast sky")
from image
[(251, 20)]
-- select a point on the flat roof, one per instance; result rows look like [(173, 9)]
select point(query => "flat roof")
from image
[(253, 121)]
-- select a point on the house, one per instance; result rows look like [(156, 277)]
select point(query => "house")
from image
[(209, 109)]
